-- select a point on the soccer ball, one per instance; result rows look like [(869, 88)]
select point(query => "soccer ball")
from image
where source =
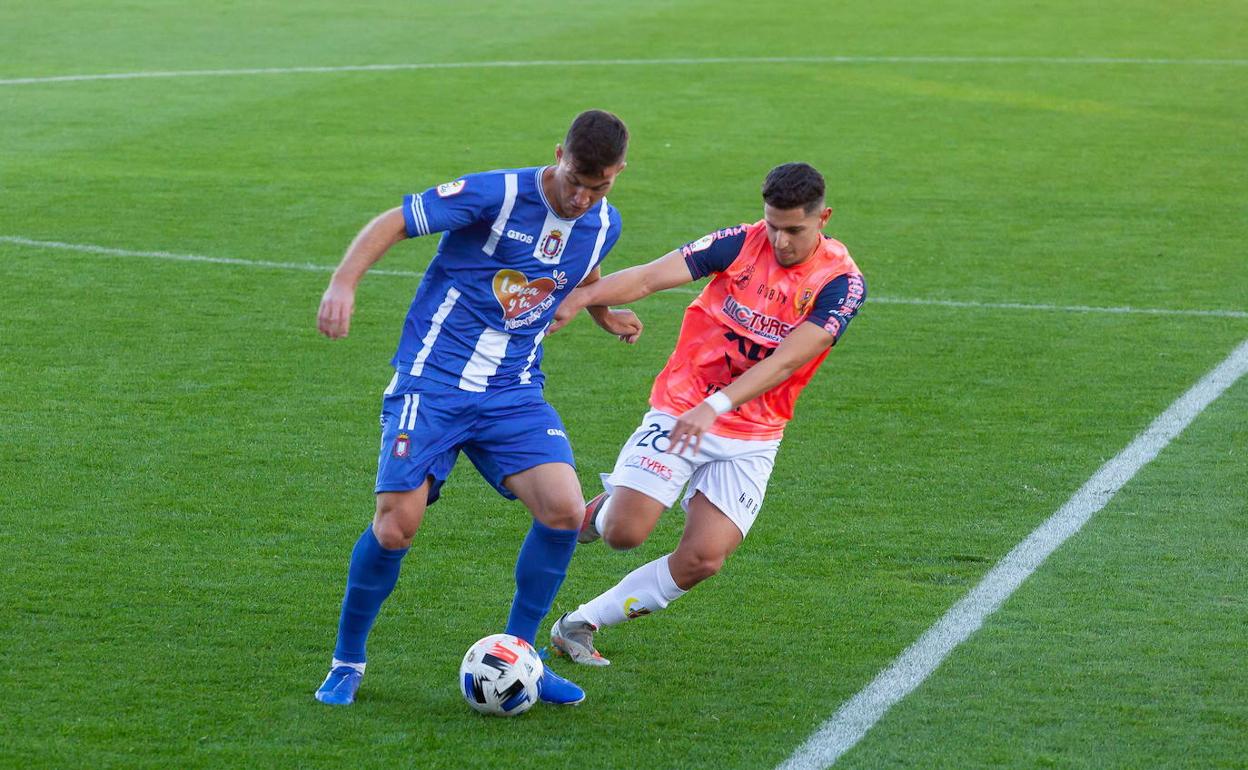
[(499, 675)]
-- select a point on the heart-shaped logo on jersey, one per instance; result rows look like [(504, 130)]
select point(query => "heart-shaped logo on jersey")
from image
[(517, 294)]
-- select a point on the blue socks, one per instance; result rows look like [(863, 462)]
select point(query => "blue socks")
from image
[(370, 579), (540, 569)]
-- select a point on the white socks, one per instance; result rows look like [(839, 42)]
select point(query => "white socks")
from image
[(357, 666), (647, 589)]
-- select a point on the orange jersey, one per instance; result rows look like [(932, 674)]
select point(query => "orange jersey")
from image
[(744, 314)]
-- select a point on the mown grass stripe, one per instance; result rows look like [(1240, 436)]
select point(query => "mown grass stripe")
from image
[(860, 713), (88, 248)]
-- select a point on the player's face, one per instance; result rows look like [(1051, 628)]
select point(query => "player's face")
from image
[(794, 233), (573, 192)]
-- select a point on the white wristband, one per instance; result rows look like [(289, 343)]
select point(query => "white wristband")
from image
[(719, 401)]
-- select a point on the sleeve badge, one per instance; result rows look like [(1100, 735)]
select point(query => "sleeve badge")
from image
[(447, 189)]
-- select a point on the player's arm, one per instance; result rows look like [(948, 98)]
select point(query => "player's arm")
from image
[(622, 323), (333, 319), (803, 344), (625, 286)]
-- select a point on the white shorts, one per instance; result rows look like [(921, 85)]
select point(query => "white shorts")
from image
[(731, 472)]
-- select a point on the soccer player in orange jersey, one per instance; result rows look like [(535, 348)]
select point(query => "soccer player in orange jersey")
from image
[(783, 293)]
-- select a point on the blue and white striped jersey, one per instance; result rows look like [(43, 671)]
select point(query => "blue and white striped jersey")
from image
[(504, 263)]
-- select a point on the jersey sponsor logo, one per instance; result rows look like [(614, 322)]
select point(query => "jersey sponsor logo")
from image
[(516, 235), (551, 246), (402, 446), (765, 326), (447, 189), (649, 465), (524, 301)]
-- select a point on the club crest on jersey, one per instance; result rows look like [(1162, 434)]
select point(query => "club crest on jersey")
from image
[(524, 301), (402, 446), (550, 247), (804, 300), (447, 189)]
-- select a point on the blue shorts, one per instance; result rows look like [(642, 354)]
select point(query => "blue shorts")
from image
[(424, 425)]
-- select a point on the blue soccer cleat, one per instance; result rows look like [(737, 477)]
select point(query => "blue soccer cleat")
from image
[(552, 688), (340, 686)]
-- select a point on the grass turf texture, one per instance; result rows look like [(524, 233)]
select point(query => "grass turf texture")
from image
[(185, 465)]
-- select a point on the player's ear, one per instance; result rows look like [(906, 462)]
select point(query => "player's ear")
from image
[(824, 217), (558, 153)]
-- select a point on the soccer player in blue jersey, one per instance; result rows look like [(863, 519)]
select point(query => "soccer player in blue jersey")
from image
[(468, 370)]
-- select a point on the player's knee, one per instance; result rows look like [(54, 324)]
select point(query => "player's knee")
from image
[(695, 568), (623, 538), (564, 514), (394, 526)]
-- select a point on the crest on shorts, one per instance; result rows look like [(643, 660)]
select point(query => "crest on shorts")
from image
[(447, 189), (402, 446)]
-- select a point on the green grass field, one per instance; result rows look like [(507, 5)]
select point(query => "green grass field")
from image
[(185, 463)]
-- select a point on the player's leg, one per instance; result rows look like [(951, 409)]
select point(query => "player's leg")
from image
[(645, 482), (552, 493), (722, 500), (410, 472), (623, 518), (519, 445)]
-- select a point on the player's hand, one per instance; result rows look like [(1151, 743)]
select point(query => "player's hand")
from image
[(566, 311), (622, 323), (689, 427), (334, 317)]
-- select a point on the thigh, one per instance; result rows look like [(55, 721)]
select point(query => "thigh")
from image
[(709, 533), (514, 431), (551, 492), (737, 482)]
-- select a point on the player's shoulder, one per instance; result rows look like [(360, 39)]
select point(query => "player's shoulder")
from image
[(481, 184)]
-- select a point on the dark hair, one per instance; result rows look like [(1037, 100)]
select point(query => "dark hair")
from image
[(794, 184), (595, 140)]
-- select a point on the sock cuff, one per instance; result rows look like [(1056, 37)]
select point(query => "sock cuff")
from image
[(382, 551), (552, 535), (667, 584)]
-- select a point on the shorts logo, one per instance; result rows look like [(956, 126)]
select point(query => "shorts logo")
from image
[(649, 465), (551, 246), (447, 189), (629, 610), (555, 432), (402, 446), (524, 301)]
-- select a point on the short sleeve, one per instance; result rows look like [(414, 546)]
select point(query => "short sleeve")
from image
[(838, 302), (713, 253), (452, 205)]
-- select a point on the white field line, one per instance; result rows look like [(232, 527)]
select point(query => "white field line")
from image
[(676, 62), (857, 715), (88, 248)]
